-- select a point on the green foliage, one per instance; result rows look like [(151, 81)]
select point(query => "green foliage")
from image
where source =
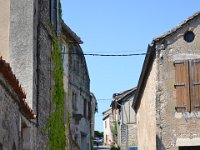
[(91, 142), (99, 134), (114, 128), (114, 148), (56, 126)]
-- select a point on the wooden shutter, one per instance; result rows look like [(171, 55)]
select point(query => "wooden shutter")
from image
[(182, 86), (195, 84)]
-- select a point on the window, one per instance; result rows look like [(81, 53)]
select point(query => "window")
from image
[(54, 7), (189, 36), (85, 108), (105, 124), (77, 66), (57, 17), (89, 111), (64, 58), (187, 76), (74, 101), (51, 11)]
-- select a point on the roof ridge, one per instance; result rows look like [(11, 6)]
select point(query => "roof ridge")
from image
[(172, 30)]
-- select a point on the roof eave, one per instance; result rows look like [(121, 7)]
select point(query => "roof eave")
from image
[(71, 33), (146, 65)]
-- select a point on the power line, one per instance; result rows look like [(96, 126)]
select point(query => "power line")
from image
[(105, 99), (107, 55)]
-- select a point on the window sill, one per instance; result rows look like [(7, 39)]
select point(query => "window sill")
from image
[(180, 115)]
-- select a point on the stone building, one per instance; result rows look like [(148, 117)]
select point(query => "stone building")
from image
[(167, 100), (77, 90), (92, 111), (108, 127), (26, 34), (16, 117), (125, 118)]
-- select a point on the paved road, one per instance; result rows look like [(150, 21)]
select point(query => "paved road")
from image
[(101, 148)]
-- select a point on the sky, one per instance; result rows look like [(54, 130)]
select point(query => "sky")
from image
[(120, 27)]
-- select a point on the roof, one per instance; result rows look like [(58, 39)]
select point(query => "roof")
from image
[(119, 97), (150, 57), (173, 30), (71, 33), (8, 75), (107, 113)]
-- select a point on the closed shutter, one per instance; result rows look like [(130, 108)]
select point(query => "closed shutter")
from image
[(195, 84), (182, 86)]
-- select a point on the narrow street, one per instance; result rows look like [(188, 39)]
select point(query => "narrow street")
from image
[(101, 148)]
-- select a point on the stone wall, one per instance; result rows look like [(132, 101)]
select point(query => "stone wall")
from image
[(10, 117), (146, 114), (176, 128), (79, 83), (16, 130), (128, 136), (132, 134), (44, 73)]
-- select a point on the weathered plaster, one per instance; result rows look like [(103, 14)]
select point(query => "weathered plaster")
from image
[(176, 128), (4, 29), (146, 115)]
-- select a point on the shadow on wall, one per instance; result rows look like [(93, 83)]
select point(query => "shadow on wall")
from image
[(159, 144)]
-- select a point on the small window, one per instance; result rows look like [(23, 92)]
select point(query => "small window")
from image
[(85, 108), (74, 101), (189, 36)]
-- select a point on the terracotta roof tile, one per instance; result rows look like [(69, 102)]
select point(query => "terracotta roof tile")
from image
[(7, 73)]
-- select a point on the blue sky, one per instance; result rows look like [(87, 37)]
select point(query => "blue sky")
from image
[(120, 27)]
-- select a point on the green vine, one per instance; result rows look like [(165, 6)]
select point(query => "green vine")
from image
[(56, 126), (114, 130)]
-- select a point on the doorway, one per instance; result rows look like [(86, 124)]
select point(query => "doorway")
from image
[(189, 148)]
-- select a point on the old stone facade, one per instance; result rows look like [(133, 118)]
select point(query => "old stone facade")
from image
[(125, 118), (29, 26), (16, 117), (167, 100), (77, 91)]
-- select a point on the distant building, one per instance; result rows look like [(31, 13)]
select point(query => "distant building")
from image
[(167, 100), (124, 118), (107, 127), (93, 109)]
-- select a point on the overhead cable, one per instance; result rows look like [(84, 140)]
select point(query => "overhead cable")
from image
[(107, 55)]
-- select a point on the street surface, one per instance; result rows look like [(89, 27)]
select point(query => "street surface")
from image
[(101, 148)]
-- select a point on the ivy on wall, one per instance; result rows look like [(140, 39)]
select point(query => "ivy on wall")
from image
[(56, 126)]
